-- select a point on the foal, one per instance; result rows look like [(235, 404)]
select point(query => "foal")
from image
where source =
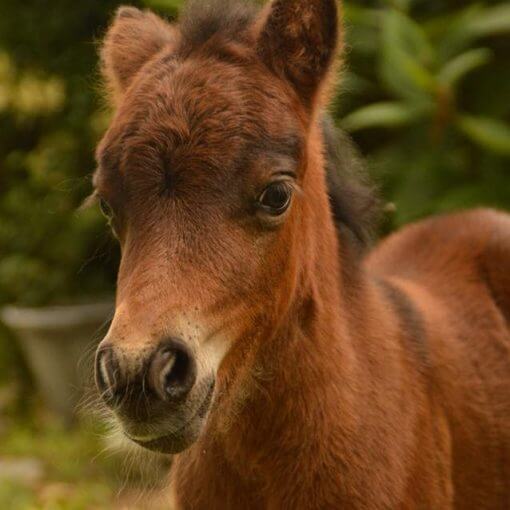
[(250, 335)]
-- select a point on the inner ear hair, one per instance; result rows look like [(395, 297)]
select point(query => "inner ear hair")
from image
[(299, 40)]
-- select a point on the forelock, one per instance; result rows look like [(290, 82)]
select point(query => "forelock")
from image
[(202, 20)]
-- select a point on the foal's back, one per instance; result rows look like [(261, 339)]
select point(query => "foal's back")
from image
[(454, 272)]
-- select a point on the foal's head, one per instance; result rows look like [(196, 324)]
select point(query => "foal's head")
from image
[(204, 174)]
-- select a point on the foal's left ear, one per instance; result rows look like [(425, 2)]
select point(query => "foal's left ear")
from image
[(299, 40)]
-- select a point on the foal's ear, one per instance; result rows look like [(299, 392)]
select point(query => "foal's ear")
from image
[(299, 40), (133, 38)]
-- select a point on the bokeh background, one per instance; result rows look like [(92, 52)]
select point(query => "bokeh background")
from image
[(425, 93)]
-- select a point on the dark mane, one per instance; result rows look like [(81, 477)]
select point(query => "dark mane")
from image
[(353, 199)]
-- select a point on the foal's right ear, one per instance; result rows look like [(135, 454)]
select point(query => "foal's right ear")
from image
[(133, 39), (299, 40)]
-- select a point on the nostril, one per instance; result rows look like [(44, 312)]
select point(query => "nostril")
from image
[(106, 373), (173, 370), (101, 371), (177, 374)]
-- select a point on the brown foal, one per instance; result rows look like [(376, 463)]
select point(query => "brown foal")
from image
[(252, 336)]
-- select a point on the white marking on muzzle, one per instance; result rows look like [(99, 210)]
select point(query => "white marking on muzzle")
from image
[(214, 350)]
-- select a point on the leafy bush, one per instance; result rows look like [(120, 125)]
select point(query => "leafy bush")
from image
[(50, 120), (426, 95)]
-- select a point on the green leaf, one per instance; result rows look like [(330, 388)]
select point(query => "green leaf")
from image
[(356, 15), (455, 33), (403, 5), (387, 114), (405, 56), (459, 66), (489, 133), (353, 84), (492, 21), (170, 6), (452, 32)]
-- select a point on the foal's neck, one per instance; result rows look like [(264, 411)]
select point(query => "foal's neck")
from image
[(290, 398)]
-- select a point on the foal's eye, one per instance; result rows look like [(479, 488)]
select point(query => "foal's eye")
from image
[(276, 198), (106, 209)]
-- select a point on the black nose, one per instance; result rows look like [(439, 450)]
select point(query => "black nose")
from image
[(108, 375), (172, 371), (167, 374)]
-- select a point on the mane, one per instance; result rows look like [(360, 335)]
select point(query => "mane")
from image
[(354, 202)]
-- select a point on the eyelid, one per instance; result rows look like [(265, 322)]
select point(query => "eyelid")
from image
[(287, 173), (287, 176), (290, 180)]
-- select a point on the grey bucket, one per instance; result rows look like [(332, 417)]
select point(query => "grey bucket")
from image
[(58, 344)]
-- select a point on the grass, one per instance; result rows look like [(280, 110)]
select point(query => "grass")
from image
[(76, 473)]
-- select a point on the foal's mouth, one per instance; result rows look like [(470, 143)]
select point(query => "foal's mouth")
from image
[(183, 437)]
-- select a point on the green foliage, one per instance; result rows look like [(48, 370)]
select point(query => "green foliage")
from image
[(76, 469), (426, 99), (168, 7), (50, 251), (74, 476)]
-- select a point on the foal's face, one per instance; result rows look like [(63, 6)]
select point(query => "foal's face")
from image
[(200, 175), (200, 180)]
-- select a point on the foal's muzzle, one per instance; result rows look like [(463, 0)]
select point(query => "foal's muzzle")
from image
[(167, 374), (154, 393)]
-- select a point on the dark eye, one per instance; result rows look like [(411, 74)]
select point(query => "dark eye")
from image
[(276, 198), (106, 208)]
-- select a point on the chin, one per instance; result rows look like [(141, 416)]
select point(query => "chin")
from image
[(173, 435), (173, 443)]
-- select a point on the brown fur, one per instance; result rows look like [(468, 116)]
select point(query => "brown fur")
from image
[(381, 383)]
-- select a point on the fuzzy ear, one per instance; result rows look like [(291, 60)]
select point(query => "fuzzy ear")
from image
[(299, 40), (133, 38)]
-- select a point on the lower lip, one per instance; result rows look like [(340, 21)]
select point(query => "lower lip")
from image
[(176, 442)]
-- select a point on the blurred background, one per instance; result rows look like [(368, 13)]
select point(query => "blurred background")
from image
[(425, 93)]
